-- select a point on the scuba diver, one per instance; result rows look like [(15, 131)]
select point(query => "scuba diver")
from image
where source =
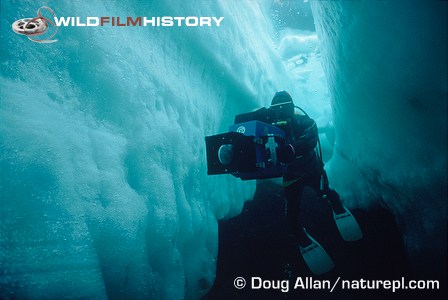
[(300, 152), (275, 142)]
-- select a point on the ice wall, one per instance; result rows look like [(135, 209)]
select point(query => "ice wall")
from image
[(385, 63), (104, 189)]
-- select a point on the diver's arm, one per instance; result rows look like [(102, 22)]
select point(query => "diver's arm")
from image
[(306, 136), (305, 140)]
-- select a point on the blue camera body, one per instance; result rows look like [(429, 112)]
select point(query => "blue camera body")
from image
[(247, 151)]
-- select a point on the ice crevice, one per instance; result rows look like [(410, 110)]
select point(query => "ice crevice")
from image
[(104, 189)]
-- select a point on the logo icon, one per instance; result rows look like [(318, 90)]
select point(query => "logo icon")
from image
[(37, 26), (241, 129)]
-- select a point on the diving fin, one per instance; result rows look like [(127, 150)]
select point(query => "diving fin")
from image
[(316, 258), (347, 225)]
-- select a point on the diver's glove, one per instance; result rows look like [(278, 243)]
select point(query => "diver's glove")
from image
[(286, 153)]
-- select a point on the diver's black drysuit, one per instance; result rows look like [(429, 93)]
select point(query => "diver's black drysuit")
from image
[(303, 168)]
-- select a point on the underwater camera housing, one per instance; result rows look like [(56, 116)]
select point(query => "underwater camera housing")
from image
[(248, 150)]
